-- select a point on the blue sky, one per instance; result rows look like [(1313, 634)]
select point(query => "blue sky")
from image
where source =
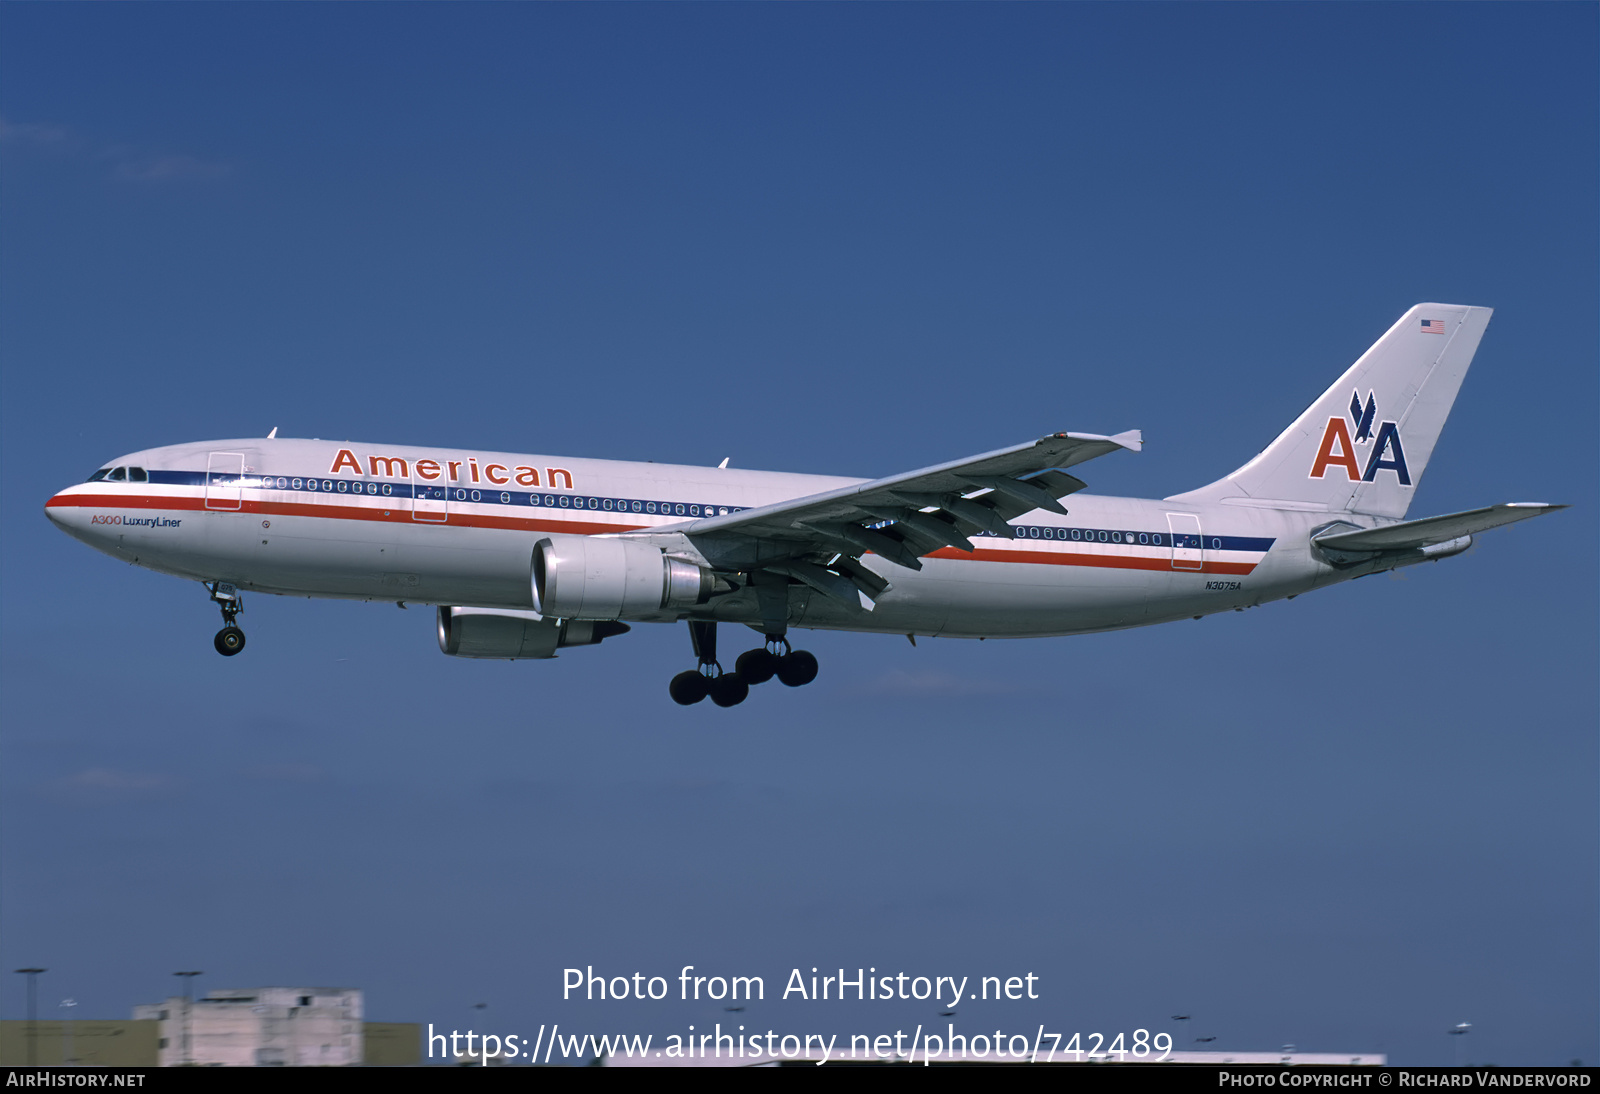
[(843, 239)]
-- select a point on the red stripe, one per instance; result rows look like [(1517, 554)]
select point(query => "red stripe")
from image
[(583, 528), (126, 501), (1110, 562)]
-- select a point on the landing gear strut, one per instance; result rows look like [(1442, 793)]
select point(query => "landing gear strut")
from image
[(792, 667), (726, 689), (230, 639)]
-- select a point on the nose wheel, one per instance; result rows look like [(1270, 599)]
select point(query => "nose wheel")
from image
[(230, 639)]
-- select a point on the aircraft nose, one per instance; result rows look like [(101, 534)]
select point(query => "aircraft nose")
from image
[(62, 509)]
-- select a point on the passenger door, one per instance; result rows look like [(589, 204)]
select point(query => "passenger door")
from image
[(224, 480), (1188, 548)]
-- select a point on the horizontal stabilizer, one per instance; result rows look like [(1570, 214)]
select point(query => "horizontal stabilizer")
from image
[(1415, 534)]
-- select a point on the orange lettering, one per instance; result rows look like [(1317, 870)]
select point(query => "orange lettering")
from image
[(455, 469), (474, 465), (1337, 432), (345, 458), (527, 476), (550, 474), (388, 466), (488, 473), (427, 469)]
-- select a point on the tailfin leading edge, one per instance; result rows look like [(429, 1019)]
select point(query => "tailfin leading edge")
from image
[(1363, 446)]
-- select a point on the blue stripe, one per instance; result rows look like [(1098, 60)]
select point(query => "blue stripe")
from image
[(656, 507)]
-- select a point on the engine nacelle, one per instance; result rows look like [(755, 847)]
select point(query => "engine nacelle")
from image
[(506, 634), (589, 577)]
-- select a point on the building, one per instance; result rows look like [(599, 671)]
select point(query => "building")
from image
[(260, 1027)]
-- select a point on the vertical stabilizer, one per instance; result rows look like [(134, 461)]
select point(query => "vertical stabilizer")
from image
[(1363, 446)]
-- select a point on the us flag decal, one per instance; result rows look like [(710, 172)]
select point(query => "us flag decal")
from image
[(1433, 326)]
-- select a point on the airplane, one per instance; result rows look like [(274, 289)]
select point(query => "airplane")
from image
[(526, 555)]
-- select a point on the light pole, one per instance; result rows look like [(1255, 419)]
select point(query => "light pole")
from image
[(33, 1011), (66, 1024), (188, 1002)]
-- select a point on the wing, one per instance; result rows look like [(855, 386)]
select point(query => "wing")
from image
[(818, 540)]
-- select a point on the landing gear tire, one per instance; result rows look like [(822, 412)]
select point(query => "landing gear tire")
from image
[(729, 690), (687, 688), (797, 668), (229, 641), (756, 666)]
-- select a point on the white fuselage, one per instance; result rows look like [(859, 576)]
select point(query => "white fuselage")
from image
[(446, 527)]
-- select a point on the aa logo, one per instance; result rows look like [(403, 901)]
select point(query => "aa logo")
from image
[(1338, 447)]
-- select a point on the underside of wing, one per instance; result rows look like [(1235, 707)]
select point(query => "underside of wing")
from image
[(818, 540)]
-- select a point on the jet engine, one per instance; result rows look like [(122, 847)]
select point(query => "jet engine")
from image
[(591, 577), (510, 635)]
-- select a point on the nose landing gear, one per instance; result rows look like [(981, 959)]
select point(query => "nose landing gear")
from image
[(230, 639)]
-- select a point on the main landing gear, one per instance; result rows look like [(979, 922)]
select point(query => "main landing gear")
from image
[(230, 639), (727, 689)]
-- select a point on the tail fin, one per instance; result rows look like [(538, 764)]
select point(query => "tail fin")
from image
[(1363, 446)]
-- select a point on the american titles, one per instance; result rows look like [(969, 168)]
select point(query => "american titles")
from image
[(457, 471)]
